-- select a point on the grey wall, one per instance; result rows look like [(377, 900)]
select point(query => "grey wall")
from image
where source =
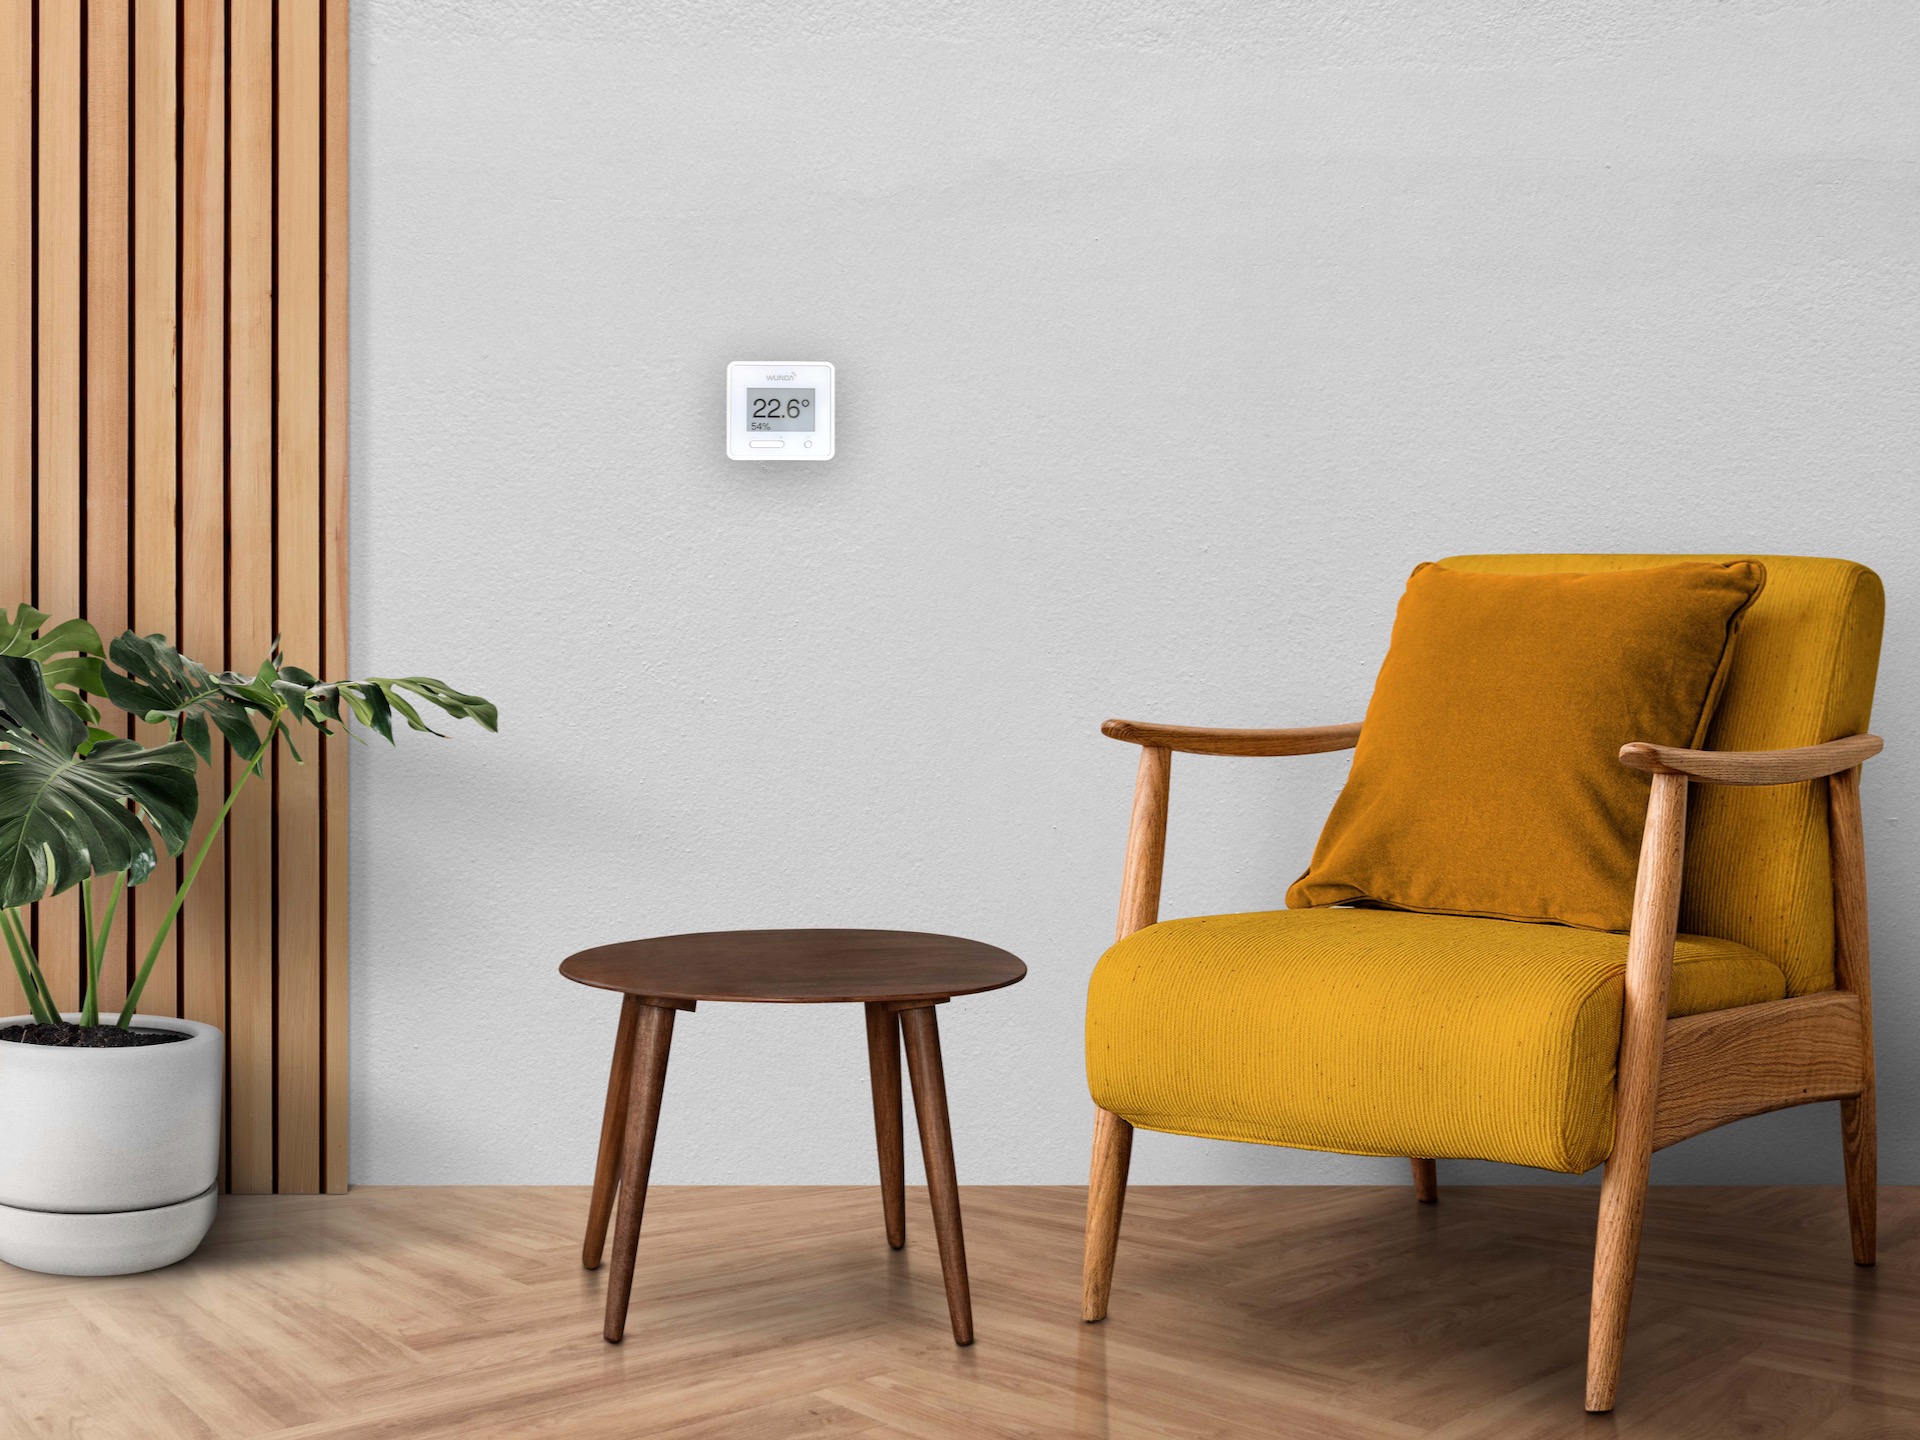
[(1171, 335)]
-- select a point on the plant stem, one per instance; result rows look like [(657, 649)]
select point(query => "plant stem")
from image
[(90, 1002), (97, 943), (193, 873), (39, 998)]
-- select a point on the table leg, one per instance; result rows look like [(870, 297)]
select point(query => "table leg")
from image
[(883, 1059), (613, 1125), (936, 1149), (643, 1118)]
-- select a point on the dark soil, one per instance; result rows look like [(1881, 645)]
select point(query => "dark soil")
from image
[(91, 1037)]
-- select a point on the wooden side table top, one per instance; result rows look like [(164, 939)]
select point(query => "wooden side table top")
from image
[(797, 967)]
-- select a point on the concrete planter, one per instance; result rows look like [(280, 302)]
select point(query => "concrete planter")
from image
[(108, 1158)]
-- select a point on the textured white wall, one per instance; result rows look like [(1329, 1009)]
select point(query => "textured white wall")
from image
[(1171, 335)]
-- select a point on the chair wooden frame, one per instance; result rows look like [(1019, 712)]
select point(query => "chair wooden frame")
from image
[(1676, 1077)]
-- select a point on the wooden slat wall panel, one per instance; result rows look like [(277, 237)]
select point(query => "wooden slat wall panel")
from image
[(60, 441), (333, 584), (154, 589), (297, 585), (173, 451), (250, 627), (108, 378), (16, 336), (203, 459)]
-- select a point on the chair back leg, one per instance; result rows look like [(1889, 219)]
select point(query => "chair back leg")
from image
[(1851, 971), (1426, 1181)]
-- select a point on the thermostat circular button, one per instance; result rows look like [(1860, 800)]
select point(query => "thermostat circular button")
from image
[(768, 444)]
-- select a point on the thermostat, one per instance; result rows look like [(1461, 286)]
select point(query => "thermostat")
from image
[(780, 410)]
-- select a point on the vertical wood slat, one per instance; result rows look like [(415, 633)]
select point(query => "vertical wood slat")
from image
[(203, 471), (154, 589), (16, 337), (333, 579), (297, 542), (173, 330), (203, 477), (108, 377), (58, 421), (250, 618)]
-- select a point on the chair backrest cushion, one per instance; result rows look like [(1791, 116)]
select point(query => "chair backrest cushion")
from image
[(1487, 780), (1758, 864)]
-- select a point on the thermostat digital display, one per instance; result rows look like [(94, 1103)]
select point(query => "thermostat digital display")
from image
[(780, 410)]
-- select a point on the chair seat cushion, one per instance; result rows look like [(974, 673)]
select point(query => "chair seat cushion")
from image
[(1379, 1032)]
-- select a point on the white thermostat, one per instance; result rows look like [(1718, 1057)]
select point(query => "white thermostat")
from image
[(780, 410)]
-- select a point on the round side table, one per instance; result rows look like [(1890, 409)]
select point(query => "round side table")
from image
[(898, 975)]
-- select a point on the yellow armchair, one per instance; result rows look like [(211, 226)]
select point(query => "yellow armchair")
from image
[(1740, 988)]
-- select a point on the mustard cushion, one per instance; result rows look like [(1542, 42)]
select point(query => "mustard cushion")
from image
[(1758, 866), (1379, 1032), (1487, 779)]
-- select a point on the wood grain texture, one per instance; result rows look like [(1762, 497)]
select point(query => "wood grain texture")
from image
[(613, 1130), (1727, 1064), (60, 435), (1753, 767), (1656, 913), (653, 1040), (250, 618), (153, 589), (335, 759), (1852, 971), (203, 479), (1146, 842), (920, 1028), (1201, 740), (797, 967), (1112, 1136), (173, 330), (297, 545), (109, 266), (16, 334), (1106, 1199), (889, 1133), (765, 1313), (1426, 1180), (16, 320), (108, 382)]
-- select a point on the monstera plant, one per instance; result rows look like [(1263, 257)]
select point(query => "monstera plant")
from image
[(73, 796), (112, 1132)]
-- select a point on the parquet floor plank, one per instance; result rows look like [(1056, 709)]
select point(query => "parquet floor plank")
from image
[(760, 1313)]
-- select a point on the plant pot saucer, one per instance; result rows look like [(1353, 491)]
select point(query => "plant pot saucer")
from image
[(113, 1242)]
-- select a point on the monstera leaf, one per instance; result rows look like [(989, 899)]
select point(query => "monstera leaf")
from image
[(69, 656), (164, 687), (374, 700), (64, 811)]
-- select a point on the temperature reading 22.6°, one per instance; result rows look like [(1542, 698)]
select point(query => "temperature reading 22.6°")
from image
[(779, 409)]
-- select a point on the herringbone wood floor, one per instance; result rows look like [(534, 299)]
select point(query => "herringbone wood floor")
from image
[(760, 1314)]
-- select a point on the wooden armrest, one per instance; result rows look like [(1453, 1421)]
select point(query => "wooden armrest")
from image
[(1752, 767), (1196, 740)]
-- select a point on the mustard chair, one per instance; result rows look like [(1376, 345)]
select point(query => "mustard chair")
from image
[(1740, 985)]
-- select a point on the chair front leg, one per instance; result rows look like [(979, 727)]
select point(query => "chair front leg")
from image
[(1623, 1193), (1106, 1194)]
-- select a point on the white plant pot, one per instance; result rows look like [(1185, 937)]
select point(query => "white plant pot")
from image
[(109, 1159)]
